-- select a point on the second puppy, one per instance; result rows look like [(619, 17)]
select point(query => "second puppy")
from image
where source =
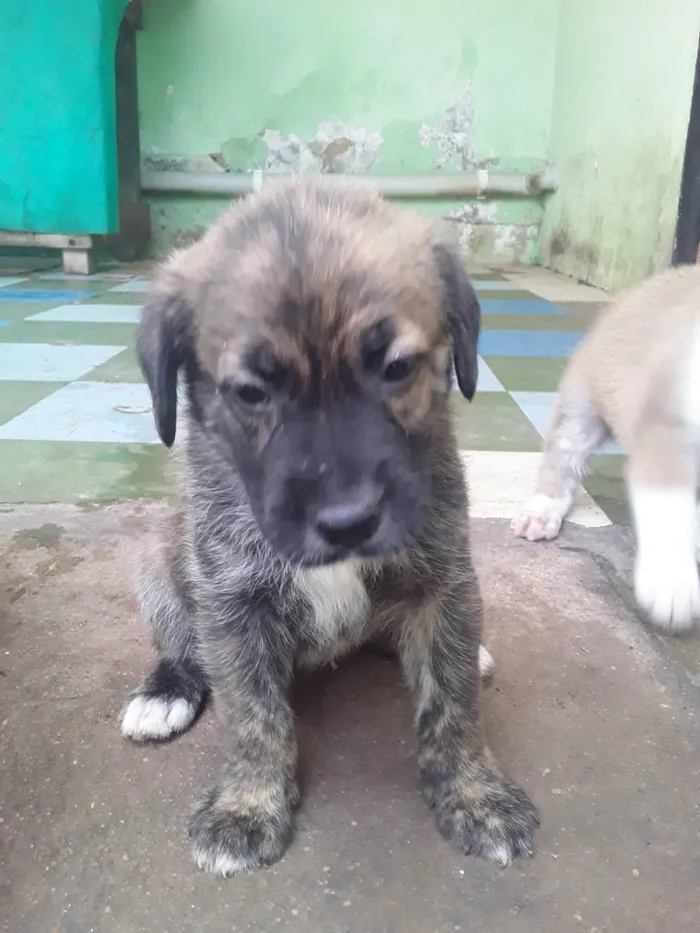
[(636, 376)]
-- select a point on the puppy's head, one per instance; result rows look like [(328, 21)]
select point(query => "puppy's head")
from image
[(316, 326)]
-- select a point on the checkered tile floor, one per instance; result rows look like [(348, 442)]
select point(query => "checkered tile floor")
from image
[(75, 417)]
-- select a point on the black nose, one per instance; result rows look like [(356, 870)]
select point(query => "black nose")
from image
[(349, 524)]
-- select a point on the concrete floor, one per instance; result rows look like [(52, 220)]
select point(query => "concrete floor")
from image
[(596, 716)]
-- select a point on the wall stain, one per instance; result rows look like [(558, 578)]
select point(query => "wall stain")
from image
[(47, 535)]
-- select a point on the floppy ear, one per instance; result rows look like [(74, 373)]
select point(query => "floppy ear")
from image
[(163, 342), (463, 316)]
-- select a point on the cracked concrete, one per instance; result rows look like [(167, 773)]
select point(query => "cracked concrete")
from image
[(595, 715)]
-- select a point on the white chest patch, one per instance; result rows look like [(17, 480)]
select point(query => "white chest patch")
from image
[(339, 600)]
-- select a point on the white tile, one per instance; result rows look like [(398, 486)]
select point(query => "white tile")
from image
[(45, 362), (91, 314), (493, 285), (500, 482), (7, 280), (487, 381), (133, 285), (88, 411), (538, 408)]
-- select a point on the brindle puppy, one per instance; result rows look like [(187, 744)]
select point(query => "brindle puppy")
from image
[(323, 503)]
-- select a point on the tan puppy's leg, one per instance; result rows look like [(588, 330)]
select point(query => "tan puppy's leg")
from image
[(576, 431), (661, 475)]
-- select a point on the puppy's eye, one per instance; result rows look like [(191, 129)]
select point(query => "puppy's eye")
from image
[(250, 394), (400, 369)]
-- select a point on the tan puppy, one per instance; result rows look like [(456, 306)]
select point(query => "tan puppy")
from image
[(636, 376)]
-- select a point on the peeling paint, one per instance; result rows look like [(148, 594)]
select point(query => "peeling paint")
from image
[(453, 136), (475, 212), (335, 147), (481, 237)]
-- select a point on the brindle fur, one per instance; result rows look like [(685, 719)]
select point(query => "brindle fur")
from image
[(243, 592)]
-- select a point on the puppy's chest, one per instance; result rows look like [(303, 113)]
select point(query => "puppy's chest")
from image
[(335, 608)]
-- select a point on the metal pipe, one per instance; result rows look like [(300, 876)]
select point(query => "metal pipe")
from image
[(479, 184)]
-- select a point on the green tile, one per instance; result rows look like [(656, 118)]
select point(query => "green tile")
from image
[(16, 264), (512, 295), (584, 311), (50, 471), (121, 368), (528, 373), (63, 285), (116, 298), (19, 310), (492, 422), (16, 397), (530, 322), (606, 484), (68, 332)]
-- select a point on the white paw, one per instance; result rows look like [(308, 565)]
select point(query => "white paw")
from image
[(220, 863), (486, 662), (668, 590), (152, 718), (541, 517)]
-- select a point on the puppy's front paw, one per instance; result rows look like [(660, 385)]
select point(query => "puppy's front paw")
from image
[(486, 663), (489, 816), (541, 517), (667, 588), (230, 838)]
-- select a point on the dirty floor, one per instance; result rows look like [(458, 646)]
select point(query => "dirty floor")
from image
[(594, 714)]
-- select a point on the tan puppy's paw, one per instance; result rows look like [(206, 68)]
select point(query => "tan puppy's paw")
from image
[(541, 518), (668, 590)]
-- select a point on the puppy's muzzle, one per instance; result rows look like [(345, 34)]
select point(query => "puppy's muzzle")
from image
[(352, 520)]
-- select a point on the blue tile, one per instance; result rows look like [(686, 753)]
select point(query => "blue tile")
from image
[(44, 294), (538, 408), (518, 306), (528, 343)]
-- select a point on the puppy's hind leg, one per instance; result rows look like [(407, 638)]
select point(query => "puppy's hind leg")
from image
[(661, 476), (168, 700), (576, 431)]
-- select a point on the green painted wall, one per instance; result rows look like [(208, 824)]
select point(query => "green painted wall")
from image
[(622, 90), (58, 151), (369, 86)]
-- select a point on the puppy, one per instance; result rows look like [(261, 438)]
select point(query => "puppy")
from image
[(636, 376), (322, 504)]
